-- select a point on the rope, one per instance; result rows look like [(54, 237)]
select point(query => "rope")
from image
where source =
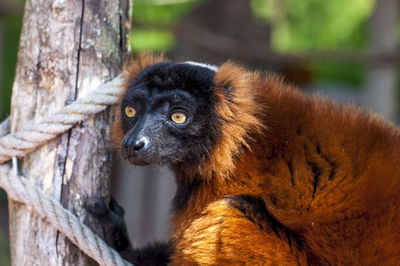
[(33, 136), (21, 189)]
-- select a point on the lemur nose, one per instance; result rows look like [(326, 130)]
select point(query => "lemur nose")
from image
[(138, 145), (135, 144)]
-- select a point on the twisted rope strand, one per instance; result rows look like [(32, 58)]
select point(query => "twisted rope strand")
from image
[(33, 136), (21, 189)]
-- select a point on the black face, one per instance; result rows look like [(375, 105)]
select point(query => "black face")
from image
[(168, 115)]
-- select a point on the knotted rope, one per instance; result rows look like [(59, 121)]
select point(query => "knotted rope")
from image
[(21, 189)]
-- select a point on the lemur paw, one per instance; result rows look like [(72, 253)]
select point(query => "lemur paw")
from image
[(111, 217)]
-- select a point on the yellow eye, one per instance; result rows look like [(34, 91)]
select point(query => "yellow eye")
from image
[(178, 117), (130, 111)]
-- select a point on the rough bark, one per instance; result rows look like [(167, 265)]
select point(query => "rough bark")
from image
[(67, 49)]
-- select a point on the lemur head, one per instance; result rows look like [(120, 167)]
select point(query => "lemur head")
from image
[(168, 115), (185, 115)]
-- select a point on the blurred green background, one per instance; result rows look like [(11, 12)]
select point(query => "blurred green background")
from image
[(298, 26), (292, 27)]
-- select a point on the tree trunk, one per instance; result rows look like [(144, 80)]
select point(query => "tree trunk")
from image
[(67, 49)]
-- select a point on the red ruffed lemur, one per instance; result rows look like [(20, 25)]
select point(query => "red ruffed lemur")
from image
[(265, 174)]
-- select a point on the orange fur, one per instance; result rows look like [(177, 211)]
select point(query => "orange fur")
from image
[(239, 117), (212, 239), (329, 176)]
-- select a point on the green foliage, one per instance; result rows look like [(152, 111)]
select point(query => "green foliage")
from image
[(160, 12), (351, 74), (3, 198), (315, 24), (264, 9), (152, 20), (12, 29), (153, 40), (4, 250)]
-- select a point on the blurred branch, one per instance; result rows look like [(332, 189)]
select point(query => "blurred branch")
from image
[(247, 49), (11, 8)]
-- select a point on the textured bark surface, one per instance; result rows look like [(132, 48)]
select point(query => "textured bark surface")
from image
[(67, 49)]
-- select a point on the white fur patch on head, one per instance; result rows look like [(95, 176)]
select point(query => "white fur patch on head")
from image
[(211, 67)]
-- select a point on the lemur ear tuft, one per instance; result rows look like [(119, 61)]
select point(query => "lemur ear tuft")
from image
[(234, 76), (237, 108), (137, 63)]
